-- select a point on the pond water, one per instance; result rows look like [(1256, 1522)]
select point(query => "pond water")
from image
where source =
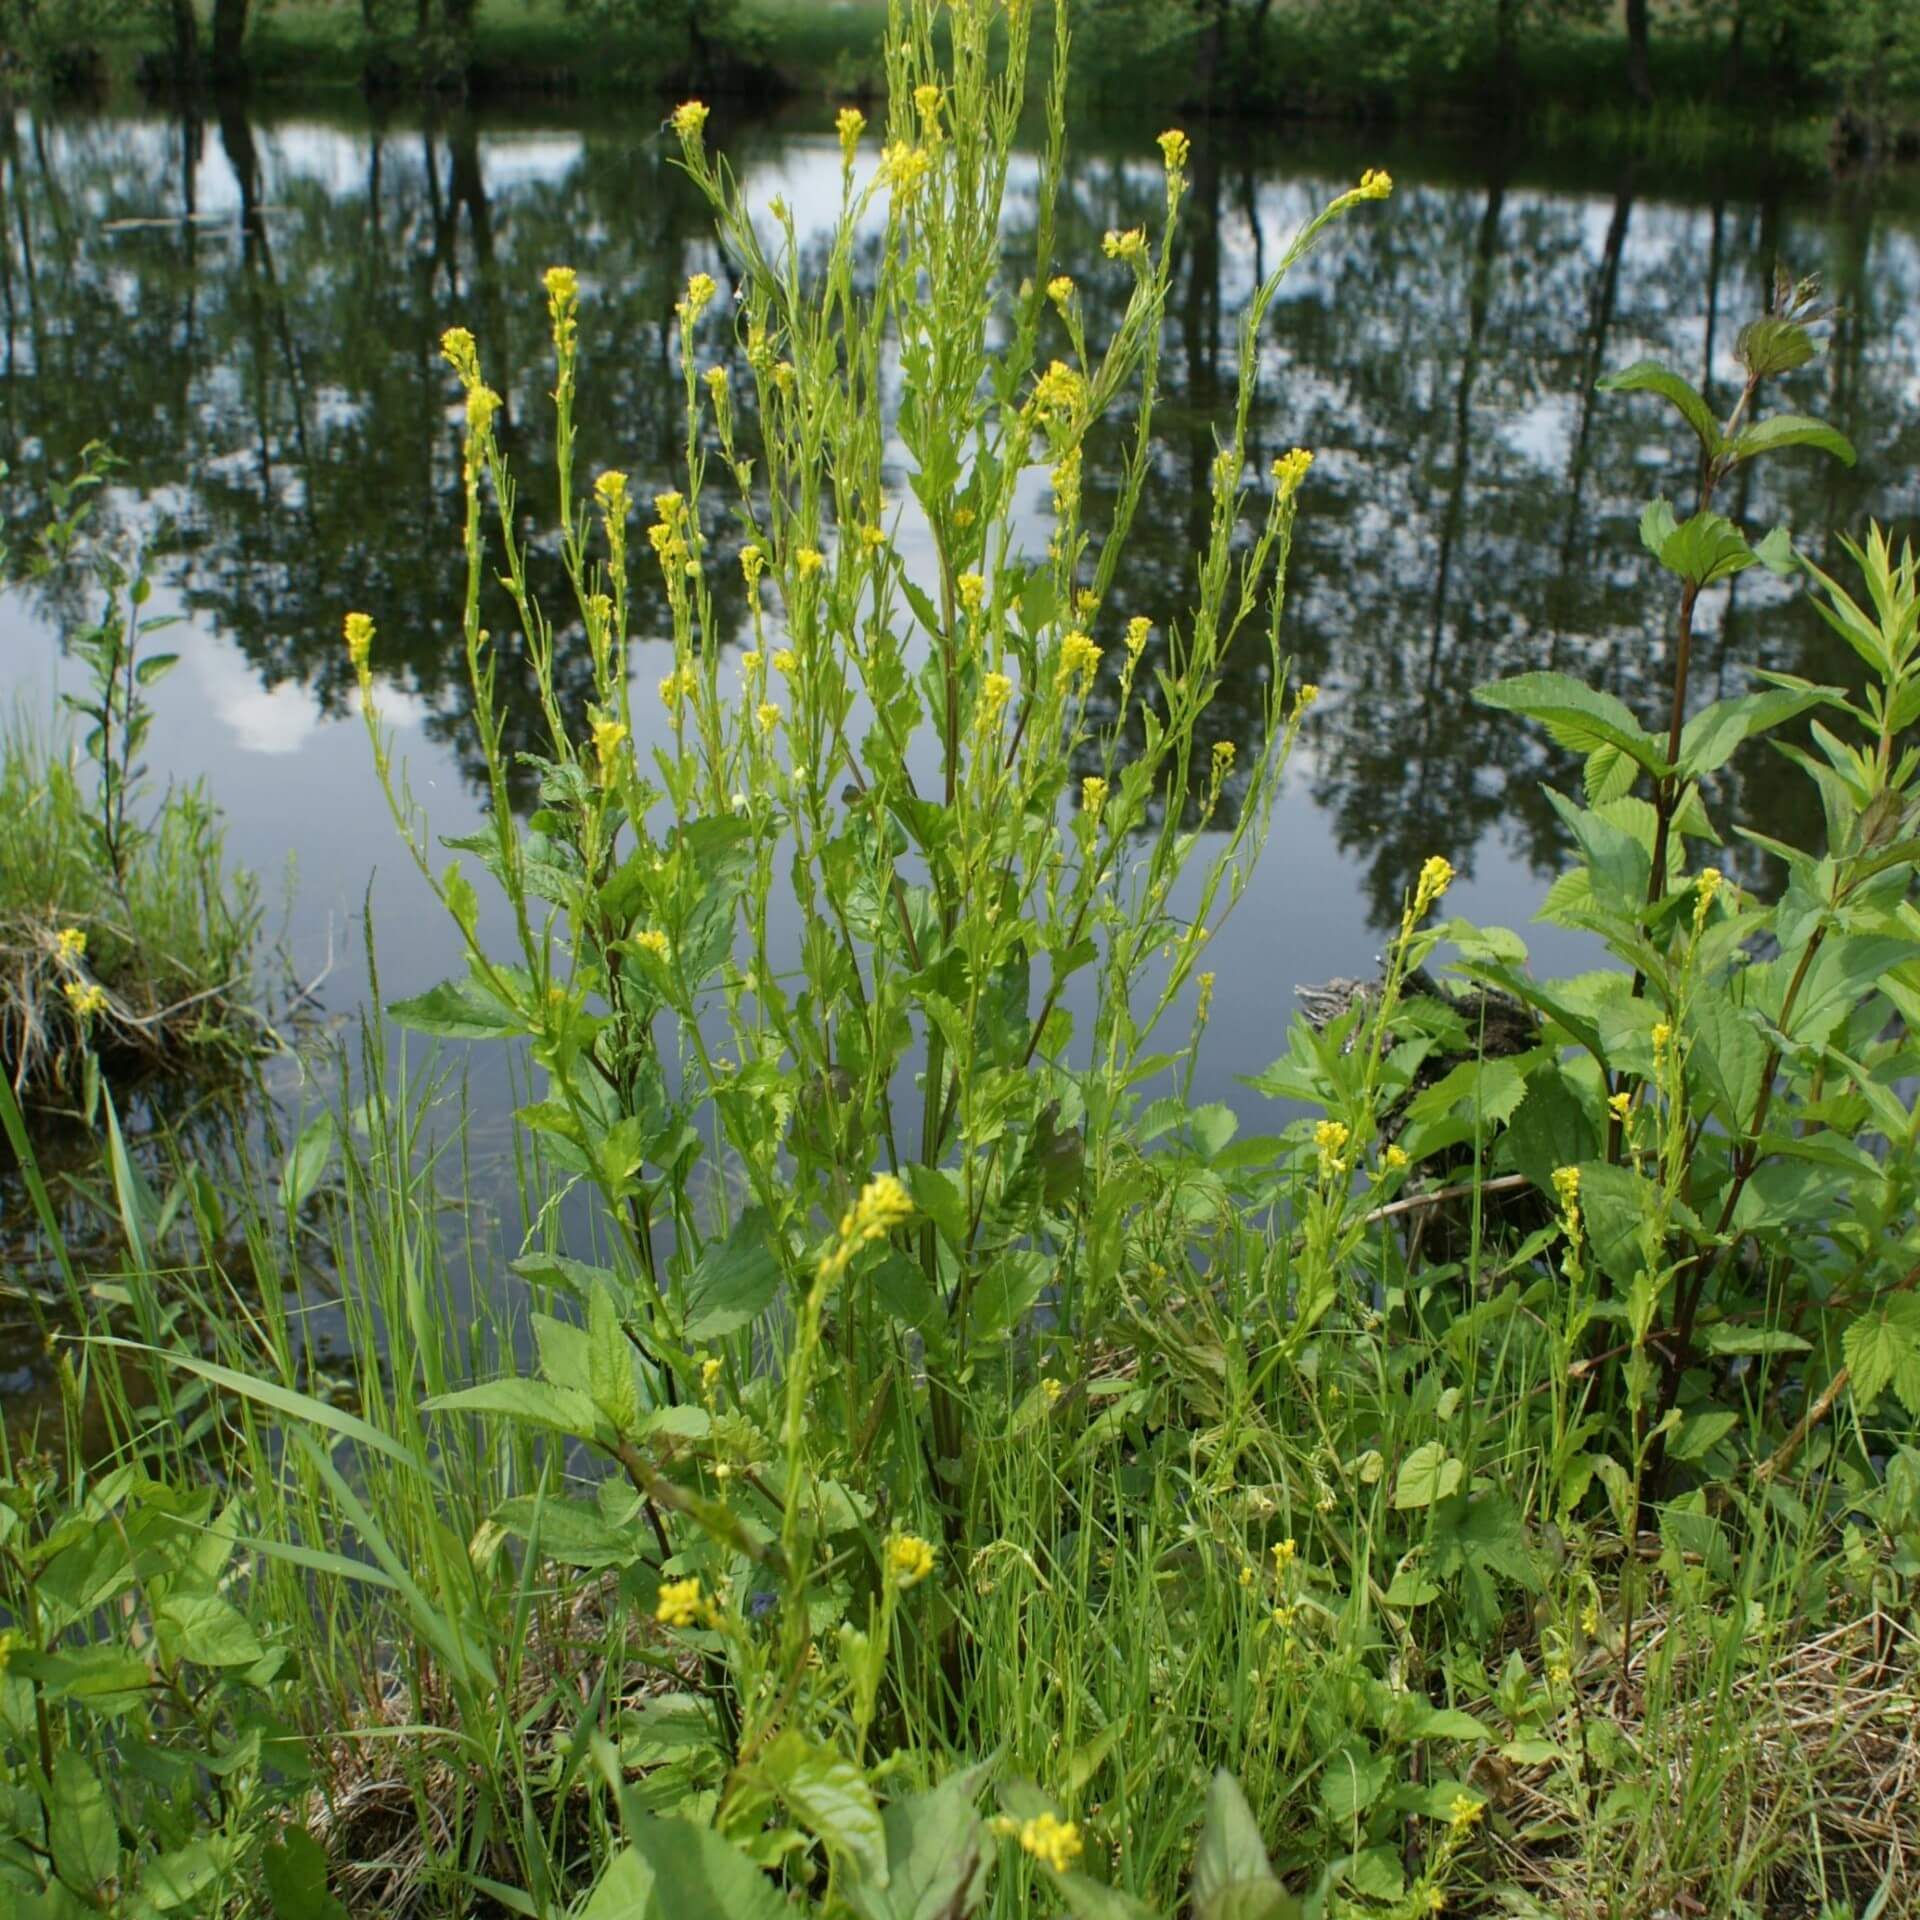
[(248, 310)]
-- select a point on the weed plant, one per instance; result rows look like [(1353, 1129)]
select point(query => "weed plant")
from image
[(928, 1466)]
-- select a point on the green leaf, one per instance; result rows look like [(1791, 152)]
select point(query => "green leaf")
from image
[(688, 1873), (306, 1163), (937, 1865), (1649, 376), (1232, 1876), (1579, 717), (1707, 548), (734, 1281), (1712, 737), (829, 1796), (206, 1630), (537, 1402), (295, 1870), (1883, 1350), (610, 1361), (1773, 345), (185, 1874), (455, 1010), (1088, 1900), (1427, 1474), (81, 1830), (1791, 430)]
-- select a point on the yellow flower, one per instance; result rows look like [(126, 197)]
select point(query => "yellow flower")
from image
[(1137, 630), (926, 101), (750, 663), (973, 591), (873, 537), (995, 691), (1662, 1038), (85, 997), (1620, 1104), (653, 941), (1464, 1812), (1223, 752), (359, 631), (1375, 184), (1283, 1554), (71, 941), (753, 562), (608, 736), (716, 379), (711, 1369), (611, 491), (458, 351), (784, 661), (1566, 1185), (700, 292), (1308, 694), (784, 376), (808, 561), (1708, 884), (679, 685), (1290, 469), (680, 1604), (690, 119), (1093, 793), (909, 1560), (1052, 1389), (1590, 1619), (1330, 1139), (1131, 245), (1078, 658), (850, 123), (1204, 1002), (883, 1204), (482, 404), (1173, 149), (667, 507), (964, 517), (1396, 1159), (903, 167), (1436, 876), (1060, 290), (1050, 1839), (562, 285), (1058, 390), (768, 715)]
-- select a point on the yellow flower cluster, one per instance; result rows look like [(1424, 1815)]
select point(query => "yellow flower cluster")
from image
[(1465, 1812), (482, 404), (1290, 469), (1395, 1159), (680, 1603), (903, 168), (653, 941), (1058, 390), (926, 101), (1055, 1841), (995, 691), (1130, 245), (690, 119), (850, 123), (909, 1560), (609, 736), (679, 685), (71, 942), (1330, 1138), (1566, 1188), (753, 562), (1078, 659), (1436, 876), (1137, 630), (1174, 149), (359, 633), (611, 491), (1375, 184), (1662, 1039), (668, 534), (85, 997), (1308, 694), (1093, 794), (1705, 888), (458, 351), (883, 1205), (700, 292), (808, 561), (1060, 290), (972, 588), (1223, 754), (768, 716), (563, 299)]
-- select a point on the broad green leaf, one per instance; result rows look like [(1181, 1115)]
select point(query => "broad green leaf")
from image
[(691, 1873), (206, 1630), (82, 1833), (1649, 376), (734, 1281), (456, 1010), (1427, 1474), (181, 1878), (306, 1163), (570, 1532), (538, 1402), (829, 1796), (937, 1865), (1707, 548), (1773, 345), (295, 1870), (1232, 1876), (1791, 430), (610, 1366), (1716, 733), (1581, 718), (1882, 1349), (1616, 1203)]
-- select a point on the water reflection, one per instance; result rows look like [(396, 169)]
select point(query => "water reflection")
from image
[(250, 311)]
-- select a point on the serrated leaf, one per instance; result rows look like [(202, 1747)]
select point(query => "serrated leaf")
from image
[(829, 1796), (1579, 717), (1649, 376), (1882, 1350), (537, 1402), (734, 1282), (1706, 548), (1791, 430), (1773, 345), (81, 1831), (455, 1011)]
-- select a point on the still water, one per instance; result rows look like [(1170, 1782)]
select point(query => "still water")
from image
[(249, 310)]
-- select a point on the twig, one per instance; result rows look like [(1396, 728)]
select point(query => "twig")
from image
[(1784, 1455)]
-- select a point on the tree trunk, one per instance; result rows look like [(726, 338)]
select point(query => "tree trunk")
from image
[(185, 25), (229, 39), (1639, 70)]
